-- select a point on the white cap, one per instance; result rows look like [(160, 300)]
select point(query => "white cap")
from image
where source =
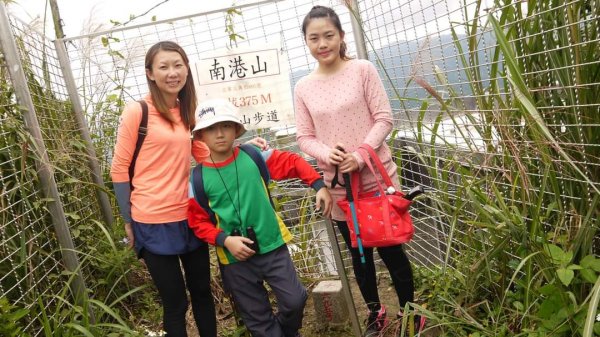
[(217, 110)]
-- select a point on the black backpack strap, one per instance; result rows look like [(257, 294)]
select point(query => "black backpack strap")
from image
[(200, 193), (261, 164), (142, 131)]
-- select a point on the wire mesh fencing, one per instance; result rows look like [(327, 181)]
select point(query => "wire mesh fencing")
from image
[(461, 125), (32, 260)]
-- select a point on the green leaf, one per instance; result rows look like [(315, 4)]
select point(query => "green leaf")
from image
[(116, 54), (548, 289), (518, 305), (73, 216), (587, 261), (550, 306), (17, 315), (588, 275), (567, 257), (565, 276), (555, 252), (591, 262)]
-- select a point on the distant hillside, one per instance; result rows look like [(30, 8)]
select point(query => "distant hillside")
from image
[(402, 58)]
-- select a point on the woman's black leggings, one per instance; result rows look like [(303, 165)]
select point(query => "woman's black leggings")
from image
[(169, 279), (396, 262)]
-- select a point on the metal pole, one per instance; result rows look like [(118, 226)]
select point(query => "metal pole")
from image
[(357, 30), (58, 23), (339, 264), (44, 168), (92, 161)]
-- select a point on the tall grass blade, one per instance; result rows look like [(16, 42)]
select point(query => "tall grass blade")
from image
[(79, 328), (588, 327), (522, 94)]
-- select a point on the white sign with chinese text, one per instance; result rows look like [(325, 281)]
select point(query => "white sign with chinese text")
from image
[(254, 80)]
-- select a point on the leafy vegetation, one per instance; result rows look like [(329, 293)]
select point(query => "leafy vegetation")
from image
[(11, 319), (523, 216)]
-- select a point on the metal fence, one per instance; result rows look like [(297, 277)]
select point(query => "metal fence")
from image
[(453, 110), (49, 203)]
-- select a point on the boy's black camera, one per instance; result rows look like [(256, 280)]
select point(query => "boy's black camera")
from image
[(250, 234)]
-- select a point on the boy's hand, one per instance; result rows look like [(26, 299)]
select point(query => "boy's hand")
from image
[(260, 142), (237, 247), (324, 197)]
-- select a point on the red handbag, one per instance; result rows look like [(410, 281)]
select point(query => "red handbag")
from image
[(383, 219)]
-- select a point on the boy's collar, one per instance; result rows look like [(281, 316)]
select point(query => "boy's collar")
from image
[(209, 163)]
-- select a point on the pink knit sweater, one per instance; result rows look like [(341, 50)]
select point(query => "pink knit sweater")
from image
[(349, 107)]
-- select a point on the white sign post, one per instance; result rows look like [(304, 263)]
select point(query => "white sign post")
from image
[(254, 80)]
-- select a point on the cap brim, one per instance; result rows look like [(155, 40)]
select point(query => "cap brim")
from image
[(217, 119)]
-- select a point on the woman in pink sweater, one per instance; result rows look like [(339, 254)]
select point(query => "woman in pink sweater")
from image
[(343, 103)]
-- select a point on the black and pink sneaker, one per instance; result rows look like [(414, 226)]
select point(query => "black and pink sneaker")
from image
[(376, 322)]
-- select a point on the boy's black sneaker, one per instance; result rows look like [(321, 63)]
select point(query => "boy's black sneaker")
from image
[(376, 322)]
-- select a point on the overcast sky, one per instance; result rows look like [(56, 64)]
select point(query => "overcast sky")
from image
[(79, 15)]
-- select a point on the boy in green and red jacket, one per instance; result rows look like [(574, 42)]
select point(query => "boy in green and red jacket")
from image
[(249, 235)]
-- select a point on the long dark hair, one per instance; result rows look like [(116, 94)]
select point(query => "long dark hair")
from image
[(187, 94), (325, 12)]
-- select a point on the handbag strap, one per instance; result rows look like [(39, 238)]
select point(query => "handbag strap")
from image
[(369, 155), (365, 155), (375, 159)]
